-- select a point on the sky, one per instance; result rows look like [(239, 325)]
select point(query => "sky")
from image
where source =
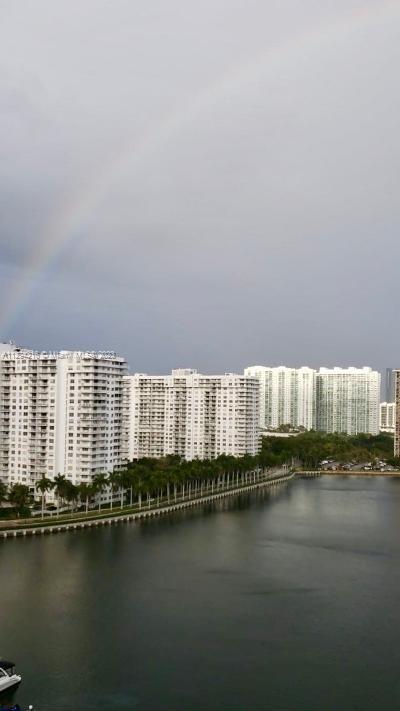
[(204, 184)]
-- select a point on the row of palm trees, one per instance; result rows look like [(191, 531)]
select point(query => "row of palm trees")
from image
[(145, 480)]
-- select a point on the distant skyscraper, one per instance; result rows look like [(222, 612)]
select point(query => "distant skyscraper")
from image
[(347, 400), (286, 395), (389, 390)]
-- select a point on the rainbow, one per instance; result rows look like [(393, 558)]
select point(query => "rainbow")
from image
[(80, 207)]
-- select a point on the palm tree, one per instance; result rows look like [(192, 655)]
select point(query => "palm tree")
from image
[(86, 491), (196, 472), (128, 478), (165, 467), (131, 480), (114, 482), (156, 482), (124, 481), (175, 478), (43, 485), (186, 475), (145, 468), (99, 483), (71, 493), (140, 477), (210, 472), (60, 488)]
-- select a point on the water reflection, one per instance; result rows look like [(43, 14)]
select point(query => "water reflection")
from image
[(280, 599)]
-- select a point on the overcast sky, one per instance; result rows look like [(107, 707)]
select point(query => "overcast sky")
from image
[(207, 183)]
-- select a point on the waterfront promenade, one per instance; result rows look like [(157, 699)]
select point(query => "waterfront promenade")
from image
[(28, 527)]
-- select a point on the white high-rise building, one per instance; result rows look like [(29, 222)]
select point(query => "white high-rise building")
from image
[(286, 395), (387, 416), (347, 400), (59, 413), (144, 415), (191, 415)]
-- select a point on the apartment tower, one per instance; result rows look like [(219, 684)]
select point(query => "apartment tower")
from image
[(347, 400), (59, 413), (286, 395), (191, 415)]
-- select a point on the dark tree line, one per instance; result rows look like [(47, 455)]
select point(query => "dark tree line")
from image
[(310, 448)]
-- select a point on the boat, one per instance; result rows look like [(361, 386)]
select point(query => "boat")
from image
[(8, 677)]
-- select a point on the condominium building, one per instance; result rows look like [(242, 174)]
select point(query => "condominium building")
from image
[(387, 416), (347, 400), (286, 395), (59, 413), (144, 416), (191, 415)]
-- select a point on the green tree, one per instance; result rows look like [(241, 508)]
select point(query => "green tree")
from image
[(44, 485), (141, 475), (86, 491), (99, 483), (131, 480), (60, 489), (3, 492), (71, 494), (114, 484), (19, 496), (124, 481), (310, 448)]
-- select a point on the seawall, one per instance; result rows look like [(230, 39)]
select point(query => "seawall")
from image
[(37, 530)]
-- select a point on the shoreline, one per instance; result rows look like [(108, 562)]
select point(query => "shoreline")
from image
[(345, 472), (152, 512)]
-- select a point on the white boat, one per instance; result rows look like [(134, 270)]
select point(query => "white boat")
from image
[(8, 677)]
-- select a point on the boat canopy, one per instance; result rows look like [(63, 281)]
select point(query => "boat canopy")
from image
[(4, 664)]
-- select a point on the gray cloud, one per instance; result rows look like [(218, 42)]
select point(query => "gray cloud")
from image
[(228, 173)]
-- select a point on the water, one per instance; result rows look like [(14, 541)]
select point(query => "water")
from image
[(280, 601)]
